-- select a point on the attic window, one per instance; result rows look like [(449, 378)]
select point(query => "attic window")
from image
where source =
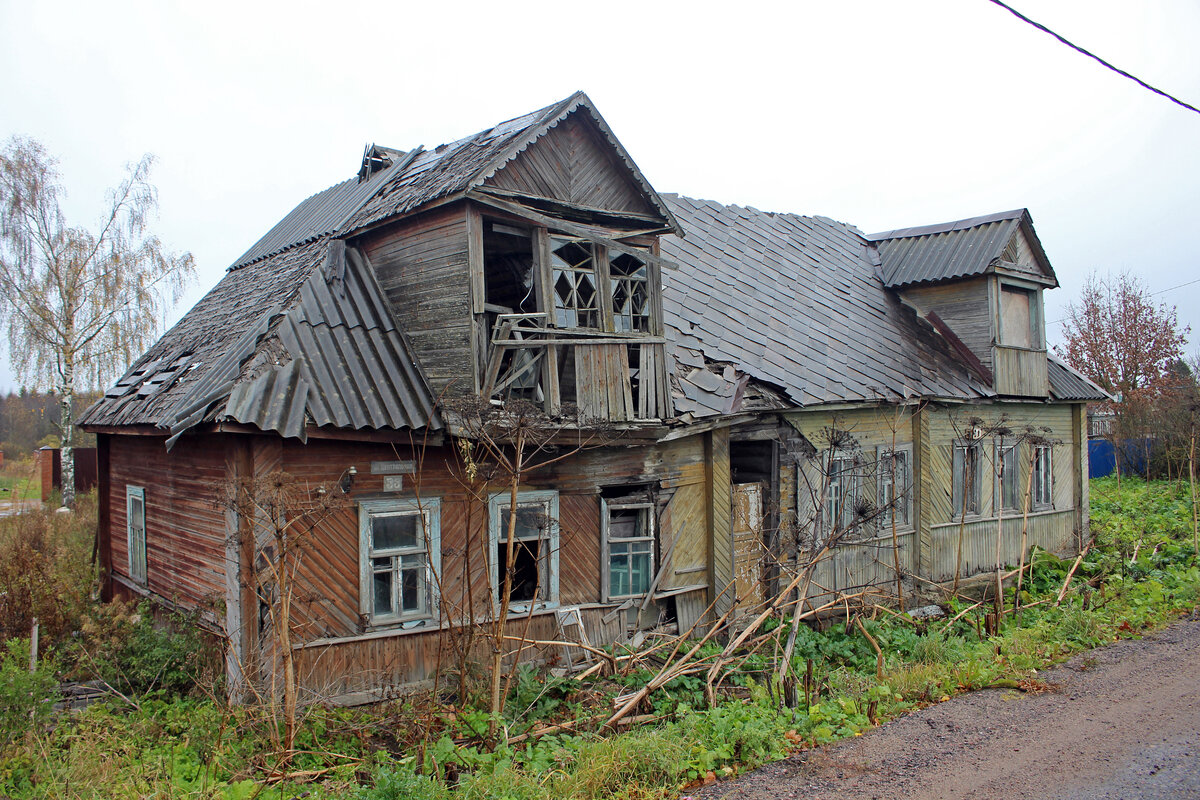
[(631, 294), (576, 300), (1019, 318)]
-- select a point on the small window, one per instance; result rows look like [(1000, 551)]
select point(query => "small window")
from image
[(895, 487), (1043, 477), (968, 474), (573, 283), (843, 487), (1019, 325), (1007, 475), (630, 294), (135, 516), (400, 555), (534, 572), (629, 542)]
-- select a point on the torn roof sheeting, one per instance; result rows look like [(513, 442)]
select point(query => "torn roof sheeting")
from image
[(953, 250), (796, 303), (280, 344)]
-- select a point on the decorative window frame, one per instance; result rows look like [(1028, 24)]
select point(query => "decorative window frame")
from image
[(1009, 448), (606, 556), (883, 454), (959, 507), (136, 551), (430, 508), (846, 482), (1043, 478), (548, 499)]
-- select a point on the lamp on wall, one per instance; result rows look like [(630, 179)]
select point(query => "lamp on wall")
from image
[(347, 479)]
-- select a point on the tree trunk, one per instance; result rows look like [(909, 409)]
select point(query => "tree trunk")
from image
[(510, 558), (67, 426)]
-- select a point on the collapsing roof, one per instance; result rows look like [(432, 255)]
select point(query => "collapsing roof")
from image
[(796, 303)]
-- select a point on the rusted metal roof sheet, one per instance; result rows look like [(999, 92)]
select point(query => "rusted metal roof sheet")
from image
[(795, 302), (1068, 384), (953, 250)]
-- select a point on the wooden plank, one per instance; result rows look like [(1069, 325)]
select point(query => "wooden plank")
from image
[(475, 258)]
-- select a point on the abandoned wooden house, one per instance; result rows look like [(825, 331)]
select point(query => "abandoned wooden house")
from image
[(763, 383)]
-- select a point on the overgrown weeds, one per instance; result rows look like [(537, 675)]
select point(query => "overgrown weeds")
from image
[(1140, 574)]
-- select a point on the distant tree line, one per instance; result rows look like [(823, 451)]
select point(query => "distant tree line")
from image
[(29, 420)]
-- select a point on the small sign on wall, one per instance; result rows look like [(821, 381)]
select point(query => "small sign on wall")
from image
[(393, 483), (393, 467)]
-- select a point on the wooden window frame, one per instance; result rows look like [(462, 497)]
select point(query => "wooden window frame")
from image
[(138, 567), (1043, 478), (1037, 329), (429, 509), (607, 506), (851, 488), (959, 508), (548, 500), (883, 454), (1007, 449)]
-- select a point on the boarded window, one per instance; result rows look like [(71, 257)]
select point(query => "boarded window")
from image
[(1043, 477), (967, 469), (1019, 318), (135, 515), (533, 571), (399, 553), (629, 541), (895, 487)]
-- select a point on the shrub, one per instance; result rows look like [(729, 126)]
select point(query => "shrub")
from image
[(46, 571), (133, 650), (25, 697)]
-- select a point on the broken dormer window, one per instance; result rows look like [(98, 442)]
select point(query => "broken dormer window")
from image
[(630, 294), (573, 276)]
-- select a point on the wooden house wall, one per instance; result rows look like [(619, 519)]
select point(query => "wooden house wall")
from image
[(1056, 529), (421, 264), (338, 655), (965, 307), (185, 528), (1020, 372), (571, 163), (868, 561)]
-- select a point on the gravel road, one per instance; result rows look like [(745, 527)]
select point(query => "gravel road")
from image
[(1122, 721)]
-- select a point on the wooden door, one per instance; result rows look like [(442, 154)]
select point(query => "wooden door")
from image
[(748, 543)]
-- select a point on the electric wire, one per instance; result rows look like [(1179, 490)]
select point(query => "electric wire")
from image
[(1092, 55)]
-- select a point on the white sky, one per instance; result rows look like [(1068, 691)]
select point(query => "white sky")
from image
[(880, 113)]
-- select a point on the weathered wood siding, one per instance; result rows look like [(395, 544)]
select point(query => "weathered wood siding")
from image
[(349, 657), (185, 530), (1056, 529), (965, 307), (421, 263), (871, 560), (572, 164), (1020, 372)]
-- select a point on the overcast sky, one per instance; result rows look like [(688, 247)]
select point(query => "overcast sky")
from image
[(879, 113)]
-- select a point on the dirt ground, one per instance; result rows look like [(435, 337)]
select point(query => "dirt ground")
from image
[(1122, 721)]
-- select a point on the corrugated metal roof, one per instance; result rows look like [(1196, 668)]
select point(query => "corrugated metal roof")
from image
[(1068, 384), (795, 302), (323, 213), (953, 250), (327, 352)]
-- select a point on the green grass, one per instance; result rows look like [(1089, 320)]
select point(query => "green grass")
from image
[(191, 747), (20, 480)]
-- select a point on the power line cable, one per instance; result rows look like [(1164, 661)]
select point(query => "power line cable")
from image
[(1152, 294), (1092, 55)]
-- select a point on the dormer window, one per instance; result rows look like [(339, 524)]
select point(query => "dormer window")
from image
[(1020, 318)]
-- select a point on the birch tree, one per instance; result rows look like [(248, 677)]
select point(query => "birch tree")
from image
[(79, 304)]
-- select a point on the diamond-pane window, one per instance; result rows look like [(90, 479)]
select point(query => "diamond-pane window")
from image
[(631, 295), (575, 299)]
